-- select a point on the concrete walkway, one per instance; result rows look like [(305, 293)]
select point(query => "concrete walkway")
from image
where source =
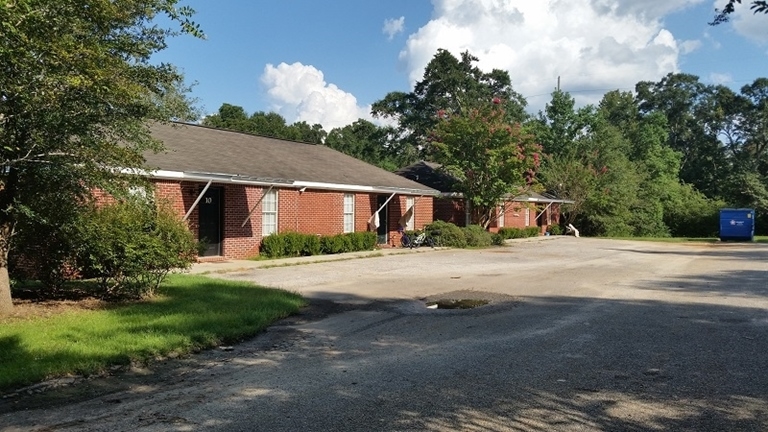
[(243, 265)]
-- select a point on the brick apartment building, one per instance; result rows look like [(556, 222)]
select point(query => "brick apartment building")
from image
[(234, 189), (522, 211)]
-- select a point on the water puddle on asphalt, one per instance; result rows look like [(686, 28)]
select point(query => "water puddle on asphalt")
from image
[(456, 304)]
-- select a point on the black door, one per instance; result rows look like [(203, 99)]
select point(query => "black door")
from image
[(383, 230), (210, 222)]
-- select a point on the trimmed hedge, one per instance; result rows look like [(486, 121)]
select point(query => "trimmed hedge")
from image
[(477, 236), (513, 233), (293, 244)]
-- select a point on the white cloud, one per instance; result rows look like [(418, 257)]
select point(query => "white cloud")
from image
[(748, 24), (720, 78), (393, 26), (689, 46), (300, 93), (592, 44)]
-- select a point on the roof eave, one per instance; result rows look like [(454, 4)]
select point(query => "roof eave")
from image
[(286, 183)]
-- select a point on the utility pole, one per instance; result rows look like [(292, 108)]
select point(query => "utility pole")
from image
[(558, 83)]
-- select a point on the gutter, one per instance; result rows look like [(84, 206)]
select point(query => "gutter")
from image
[(282, 183)]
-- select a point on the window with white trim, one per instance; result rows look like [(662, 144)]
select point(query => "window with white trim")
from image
[(409, 203), (269, 213), (501, 214), (527, 217), (349, 213)]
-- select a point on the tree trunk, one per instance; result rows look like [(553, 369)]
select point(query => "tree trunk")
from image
[(7, 224), (6, 303)]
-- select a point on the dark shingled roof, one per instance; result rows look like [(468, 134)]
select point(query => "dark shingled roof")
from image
[(199, 149), (428, 174)]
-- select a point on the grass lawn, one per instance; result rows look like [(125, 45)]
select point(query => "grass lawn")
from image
[(188, 314)]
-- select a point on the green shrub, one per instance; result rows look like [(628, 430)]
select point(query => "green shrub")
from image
[(510, 233), (531, 232), (362, 241), (513, 233), (497, 239), (691, 214), (446, 234), (555, 229), (130, 247), (335, 244), (311, 245), (477, 236), (294, 244), (273, 246)]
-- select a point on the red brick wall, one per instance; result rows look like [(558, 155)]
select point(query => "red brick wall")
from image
[(424, 212), (309, 212), (365, 205), (449, 210), (452, 210), (242, 241), (514, 216)]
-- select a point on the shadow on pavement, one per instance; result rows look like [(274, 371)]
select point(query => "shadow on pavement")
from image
[(535, 364)]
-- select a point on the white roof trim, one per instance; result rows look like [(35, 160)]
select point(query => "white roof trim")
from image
[(229, 178)]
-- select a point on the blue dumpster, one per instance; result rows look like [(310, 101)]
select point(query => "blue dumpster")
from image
[(737, 224)]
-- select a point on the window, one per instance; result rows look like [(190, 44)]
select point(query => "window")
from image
[(269, 213), (349, 213), (410, 222), (501, 214), (527, 217)]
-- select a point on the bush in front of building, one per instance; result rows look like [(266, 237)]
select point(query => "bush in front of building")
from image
[(363, 241), (130, 247), (293, 244), (349, 242), (513, 233), (477, 236), (335, 244), (446, 234), (555, 229)]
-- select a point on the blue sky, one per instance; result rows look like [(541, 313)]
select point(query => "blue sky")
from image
[(327, 62)]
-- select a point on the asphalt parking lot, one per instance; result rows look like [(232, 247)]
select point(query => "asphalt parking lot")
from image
[(580, 334)]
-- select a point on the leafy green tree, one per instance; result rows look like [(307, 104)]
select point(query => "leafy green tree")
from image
[(561, 124), (694, 123), (368, 142), (228, 117), (450, 87), (489, 157), (656, 163), (270, 124), (723, 15), (302, 131), (77, 91), (745, 134), (590, 162)]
